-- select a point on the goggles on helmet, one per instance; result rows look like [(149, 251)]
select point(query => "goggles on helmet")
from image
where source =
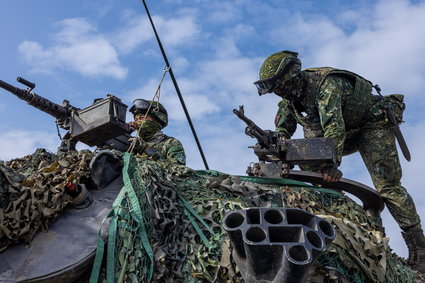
[(153, 108), (142, 106), (267, 85)]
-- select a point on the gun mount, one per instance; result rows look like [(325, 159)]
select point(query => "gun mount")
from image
[(277, 154), (101, 124)]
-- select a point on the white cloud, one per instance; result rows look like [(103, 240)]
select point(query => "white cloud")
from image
[(136, 32), (223, 12), (230, 75), (197, 103), (34, 53), (78, 48), (177, 31), (173, 32), (73, 29), (82, 48), (17, 143), (386, 47)]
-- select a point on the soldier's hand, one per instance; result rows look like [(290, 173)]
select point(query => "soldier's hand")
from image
[(133, 125), (282, 138), (331, 175)]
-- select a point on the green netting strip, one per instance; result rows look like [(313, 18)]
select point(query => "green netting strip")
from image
[(110, 263), (201, 234), (269, 181), (137, 212), (212, 173), (191, 210), (100, 249), (126, 191), (94, 277)]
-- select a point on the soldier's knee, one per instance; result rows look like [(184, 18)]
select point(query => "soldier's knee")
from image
[(387, 172), (397, 196)]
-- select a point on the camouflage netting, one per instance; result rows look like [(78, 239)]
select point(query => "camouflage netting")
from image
[(166, 222), (166, 226), (32, 192)]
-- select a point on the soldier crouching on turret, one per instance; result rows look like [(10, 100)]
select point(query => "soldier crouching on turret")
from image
[(334, 103), (150, 117)]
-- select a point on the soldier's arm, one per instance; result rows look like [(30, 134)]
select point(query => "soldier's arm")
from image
[(175, 152), (284, 121), (330, 112)]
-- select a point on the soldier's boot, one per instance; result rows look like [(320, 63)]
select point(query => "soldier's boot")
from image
[(415, 241)]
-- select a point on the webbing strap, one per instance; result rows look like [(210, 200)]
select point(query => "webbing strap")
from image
[(189, 208), (100, 249), (110, 261), (126, 191), (201, 234), (137, 213)]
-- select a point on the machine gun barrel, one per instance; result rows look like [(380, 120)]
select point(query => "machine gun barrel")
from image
[(41, 103), (101, 124)]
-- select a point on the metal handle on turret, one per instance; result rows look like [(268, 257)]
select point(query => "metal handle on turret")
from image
[(26, 82)]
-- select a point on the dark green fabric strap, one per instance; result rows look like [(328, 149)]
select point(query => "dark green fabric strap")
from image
[(211, 173), (100, 250), (110, 261), (137, 212), (201, 234), (189, 208), (126, 192)]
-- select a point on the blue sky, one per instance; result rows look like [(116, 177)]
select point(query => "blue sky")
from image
[(82, 50)]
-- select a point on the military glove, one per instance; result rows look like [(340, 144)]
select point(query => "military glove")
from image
[(331, 174)]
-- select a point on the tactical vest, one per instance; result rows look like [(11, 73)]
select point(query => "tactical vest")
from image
[(355, 106), (150, 148)]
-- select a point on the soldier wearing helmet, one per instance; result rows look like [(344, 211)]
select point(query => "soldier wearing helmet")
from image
[(150, 117), (335, 103)]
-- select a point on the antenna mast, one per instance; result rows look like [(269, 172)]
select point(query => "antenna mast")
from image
[(176, 86)]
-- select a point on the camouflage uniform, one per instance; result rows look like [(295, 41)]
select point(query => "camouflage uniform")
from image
[(342, 107), (163, 148)]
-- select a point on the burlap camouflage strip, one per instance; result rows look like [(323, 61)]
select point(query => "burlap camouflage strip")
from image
[(34, 192)]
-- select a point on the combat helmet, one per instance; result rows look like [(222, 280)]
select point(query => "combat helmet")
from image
[(155, 109), (277, 68)]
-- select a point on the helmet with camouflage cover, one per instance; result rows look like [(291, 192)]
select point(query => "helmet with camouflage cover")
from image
[(276, 69), (154, 108)]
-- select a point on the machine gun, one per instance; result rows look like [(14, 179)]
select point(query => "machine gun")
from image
[(277, 155), (101, 124)]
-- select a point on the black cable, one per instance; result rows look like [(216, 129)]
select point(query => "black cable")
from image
[(177, 88)]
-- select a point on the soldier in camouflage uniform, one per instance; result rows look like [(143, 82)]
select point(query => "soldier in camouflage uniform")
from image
[(150, 117), (334, 103)]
